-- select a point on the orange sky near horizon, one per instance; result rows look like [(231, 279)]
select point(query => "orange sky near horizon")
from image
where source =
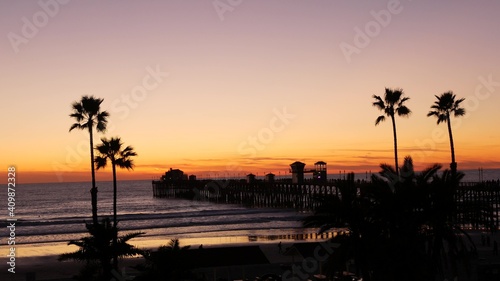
[(248, 89)]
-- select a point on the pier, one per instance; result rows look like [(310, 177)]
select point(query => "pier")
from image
[(257, 194), (476, 201)]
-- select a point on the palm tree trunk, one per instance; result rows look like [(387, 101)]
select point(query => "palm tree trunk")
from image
[(395, 144), (114, 194), (115, 238), (453, 164), (93, 191)]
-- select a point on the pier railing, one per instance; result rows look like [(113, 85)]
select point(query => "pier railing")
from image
[(476, 202)]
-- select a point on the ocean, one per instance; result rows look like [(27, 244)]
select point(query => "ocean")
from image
[(50, 214)]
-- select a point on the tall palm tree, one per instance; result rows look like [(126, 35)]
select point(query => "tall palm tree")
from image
[(422, 221), (443, 108), (402, 228), (87, 113), (392, 104), (113, 150), (347, 210)]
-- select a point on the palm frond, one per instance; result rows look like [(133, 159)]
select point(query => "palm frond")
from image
[(104, 148), (393, 103), (386, 168), (86, 112), (379, 103), (128, 152), (112, 149), (392, 97), (78, 116), (129, 236), (75, 126), (102, 116), (458, 102), (77, 107), (445, 106), (407, 170), (381, 118), (100, 162), (428, 173), (101, 126), (459, 112), (442, 118), (127, 164), (432, 113), (403, 101), (403, 111)]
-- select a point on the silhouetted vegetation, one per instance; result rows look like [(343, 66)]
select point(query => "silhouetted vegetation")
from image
[(87, 114), (113, 150), (103, 244), (98, 249), (398, 227), (443, 108), (169, 262), (392, 104)]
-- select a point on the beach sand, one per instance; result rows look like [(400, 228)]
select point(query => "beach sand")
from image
[(49, 268), (41, 258)]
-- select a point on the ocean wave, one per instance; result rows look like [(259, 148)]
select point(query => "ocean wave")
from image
[(58, 212), (183, 229), (206, 214)]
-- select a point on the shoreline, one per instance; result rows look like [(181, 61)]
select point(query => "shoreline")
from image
[(41, 249), (47, 267)]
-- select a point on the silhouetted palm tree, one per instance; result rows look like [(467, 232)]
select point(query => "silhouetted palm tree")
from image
[(449, 247), (97, 250), (351, 212), (88, 114), (399, 227), (443, 108), (392, 104), (113, 150)]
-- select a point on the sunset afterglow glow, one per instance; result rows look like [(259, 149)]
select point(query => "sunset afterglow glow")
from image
[(222, 93)]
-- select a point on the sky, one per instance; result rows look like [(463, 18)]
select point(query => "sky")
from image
[(228, 87)]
